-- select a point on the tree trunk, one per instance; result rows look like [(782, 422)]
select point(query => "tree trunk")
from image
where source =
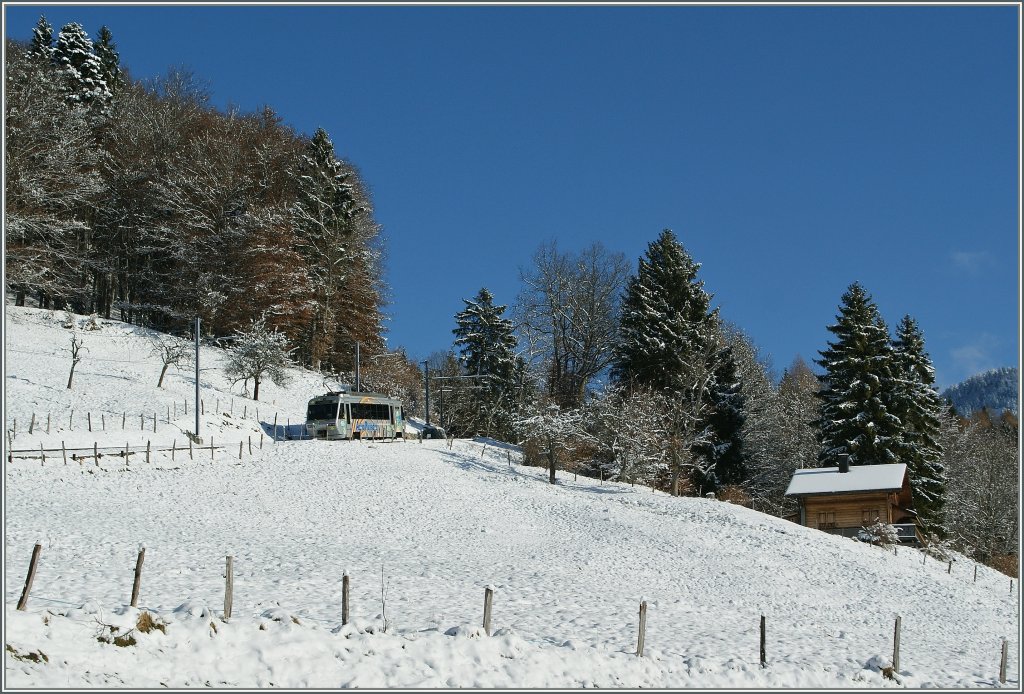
[(551, 464), (160, 383), (256, 389), (71, 375), (675, 473)]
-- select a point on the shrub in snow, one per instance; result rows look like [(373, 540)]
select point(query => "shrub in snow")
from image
[(69, 321), (939, 549), (259, 352), (92, 323), (879, 533)]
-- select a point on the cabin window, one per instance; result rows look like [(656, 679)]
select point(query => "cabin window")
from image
[(322, 410), (826, 519), (869, 516)]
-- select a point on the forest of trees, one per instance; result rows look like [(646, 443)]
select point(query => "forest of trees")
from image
[(141, 201), (636, 377)]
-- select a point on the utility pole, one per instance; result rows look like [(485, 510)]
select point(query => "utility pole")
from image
[(358, 389), (198, 440), (426, 386)]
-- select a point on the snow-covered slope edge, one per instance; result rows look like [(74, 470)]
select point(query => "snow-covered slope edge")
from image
[(569, 563)]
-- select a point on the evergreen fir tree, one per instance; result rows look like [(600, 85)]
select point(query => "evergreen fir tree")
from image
[(919, 407), (82, 70), (487, 346), (665, 318), (858, 385), (668, 342), (42, 39), (110, 60), (323, 217), (725, 450)]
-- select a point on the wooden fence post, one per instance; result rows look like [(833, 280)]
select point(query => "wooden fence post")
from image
[(96, 454), (174, 446), (764, 657), (202, 406), (14, 430), (275, 427), (643, 629), (126, 451), (975, 573), (211, 448), (1003, 663), (32, 424), (239, 450), (190, 449), (232, 409), (217, 410), (261, 441), (147, 452), (124, 416), (344, 598), (896, 645), (950, 569), (42, 454), (168, 414), (229, 585), (142, 422), (245, 412), (488, 598), (103, 421), (138, 577), (154, 422), (71, 421), (64, 452), (23, 602), (88, 418), (47, 422), (250, 445)]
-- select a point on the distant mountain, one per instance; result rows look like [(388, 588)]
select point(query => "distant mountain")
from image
[(995, 389)]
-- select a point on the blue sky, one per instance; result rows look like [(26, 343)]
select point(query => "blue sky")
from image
[(793, 150)]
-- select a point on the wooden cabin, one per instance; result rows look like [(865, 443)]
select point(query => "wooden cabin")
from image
[(842, 500)]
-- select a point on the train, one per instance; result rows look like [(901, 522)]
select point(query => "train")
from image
[(352, 415)]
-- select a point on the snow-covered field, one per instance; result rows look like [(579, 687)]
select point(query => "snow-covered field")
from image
[(569, 563)]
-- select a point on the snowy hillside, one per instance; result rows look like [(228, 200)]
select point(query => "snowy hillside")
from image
[(995, 389), (569, 564)]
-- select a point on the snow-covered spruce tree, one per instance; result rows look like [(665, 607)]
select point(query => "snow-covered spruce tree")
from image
[(81, 67), (110, 60), (487, 352), (257, 353), (323, 216), (725, 450), (668, 341), (919, 407), (42, 39), (858, 385)]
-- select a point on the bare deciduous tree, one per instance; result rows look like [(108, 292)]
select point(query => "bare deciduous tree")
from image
[(567, 315), (76, 348)]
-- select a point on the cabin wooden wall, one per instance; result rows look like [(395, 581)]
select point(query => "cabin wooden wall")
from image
[(848, 508)]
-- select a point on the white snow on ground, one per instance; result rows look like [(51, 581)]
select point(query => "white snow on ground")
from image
[(569, 563)]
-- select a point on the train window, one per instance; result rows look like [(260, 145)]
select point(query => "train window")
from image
[(322, 410)]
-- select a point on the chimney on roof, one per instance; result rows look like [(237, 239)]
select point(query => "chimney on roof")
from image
[(844, 462)]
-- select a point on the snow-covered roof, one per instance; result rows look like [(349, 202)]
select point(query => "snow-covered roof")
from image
[(860, 478)]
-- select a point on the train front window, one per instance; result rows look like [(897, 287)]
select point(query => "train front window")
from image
[(322, 410)]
